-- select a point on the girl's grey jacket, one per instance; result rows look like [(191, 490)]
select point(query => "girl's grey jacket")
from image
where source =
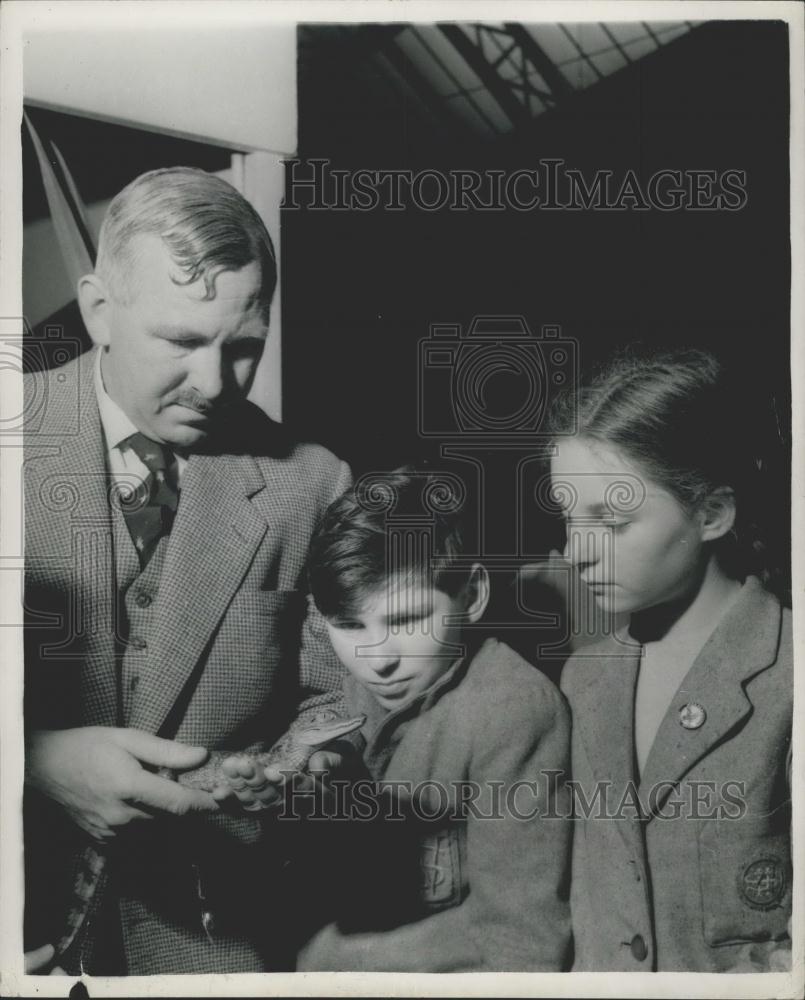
[(688, 868)]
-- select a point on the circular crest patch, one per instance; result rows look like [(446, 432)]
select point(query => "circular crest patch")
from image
[(762, 883)]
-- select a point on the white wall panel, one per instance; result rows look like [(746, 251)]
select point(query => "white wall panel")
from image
[(234, 85)]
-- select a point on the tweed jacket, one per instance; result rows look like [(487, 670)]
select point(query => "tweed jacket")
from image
[(235, 652), (482, 887), (692, 871)]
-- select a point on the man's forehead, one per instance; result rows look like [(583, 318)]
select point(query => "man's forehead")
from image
[(149, 257), (151, 265)]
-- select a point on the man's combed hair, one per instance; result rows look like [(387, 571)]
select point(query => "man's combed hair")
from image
[(353, 553), (206, 225)]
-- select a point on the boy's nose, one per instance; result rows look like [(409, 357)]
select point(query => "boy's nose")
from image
[(380, 652), (384, 666)]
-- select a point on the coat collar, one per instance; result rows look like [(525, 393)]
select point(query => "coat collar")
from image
[(744, 643), (214, 539), (384, 730)]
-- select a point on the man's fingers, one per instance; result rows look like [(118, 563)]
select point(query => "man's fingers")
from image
[(259, 780), (253, 799), (275, 776), (222, 793), (325, 760), (154, 750), (153, 792), (237, 769), (250, 785), (131, 812), (93, 824), (38, 957)]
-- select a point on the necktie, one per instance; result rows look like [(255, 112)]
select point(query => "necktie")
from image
[(150, 510)]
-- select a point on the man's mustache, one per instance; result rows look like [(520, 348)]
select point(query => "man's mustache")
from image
[(195, 401)]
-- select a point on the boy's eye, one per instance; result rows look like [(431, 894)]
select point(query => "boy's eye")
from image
[(346, 626)]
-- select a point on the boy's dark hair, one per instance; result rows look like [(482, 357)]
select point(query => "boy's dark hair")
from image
[(402, 524)]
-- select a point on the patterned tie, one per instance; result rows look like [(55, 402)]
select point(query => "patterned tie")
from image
[(150, 510)]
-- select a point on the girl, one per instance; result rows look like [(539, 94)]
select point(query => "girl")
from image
[(682, 716)]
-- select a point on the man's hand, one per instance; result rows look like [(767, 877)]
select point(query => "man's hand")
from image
[(38, 960), (261, 788), (96, 773), (253, 787)]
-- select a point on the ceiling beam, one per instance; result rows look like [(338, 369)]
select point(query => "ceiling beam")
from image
[(547, 69), (500, 90)]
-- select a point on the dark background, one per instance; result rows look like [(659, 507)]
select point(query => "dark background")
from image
[(360, 289)]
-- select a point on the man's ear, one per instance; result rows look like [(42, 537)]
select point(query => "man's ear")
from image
[(718, 514), (477, 589), (95, 305)]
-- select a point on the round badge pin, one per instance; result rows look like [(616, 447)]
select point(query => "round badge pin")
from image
[(692, 716), (762, 883)]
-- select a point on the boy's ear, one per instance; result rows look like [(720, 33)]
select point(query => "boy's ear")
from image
[(718, 514), (477, 589), (95, 305)]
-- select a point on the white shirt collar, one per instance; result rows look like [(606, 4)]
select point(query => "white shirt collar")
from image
[(116, 425)]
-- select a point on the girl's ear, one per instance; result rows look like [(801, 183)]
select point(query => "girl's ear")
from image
[(95, 305), (477, 590), (718, 514)]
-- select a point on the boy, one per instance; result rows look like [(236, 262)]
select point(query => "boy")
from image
[(486, 733)]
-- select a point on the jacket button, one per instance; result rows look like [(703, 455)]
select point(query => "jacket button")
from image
[(638, 946), (143, 599)]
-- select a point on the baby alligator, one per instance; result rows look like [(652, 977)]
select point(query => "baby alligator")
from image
[(290, 753)]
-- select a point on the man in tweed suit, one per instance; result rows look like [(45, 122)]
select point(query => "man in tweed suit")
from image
[(147, 646)]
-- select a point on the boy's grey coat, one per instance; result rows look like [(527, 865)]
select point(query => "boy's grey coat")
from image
[(229, 661), (701, 894), (491, 892)]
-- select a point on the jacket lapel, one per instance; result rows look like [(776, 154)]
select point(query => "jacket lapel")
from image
[(605, 716), (214, 539), (78, 471), (743, 644)]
